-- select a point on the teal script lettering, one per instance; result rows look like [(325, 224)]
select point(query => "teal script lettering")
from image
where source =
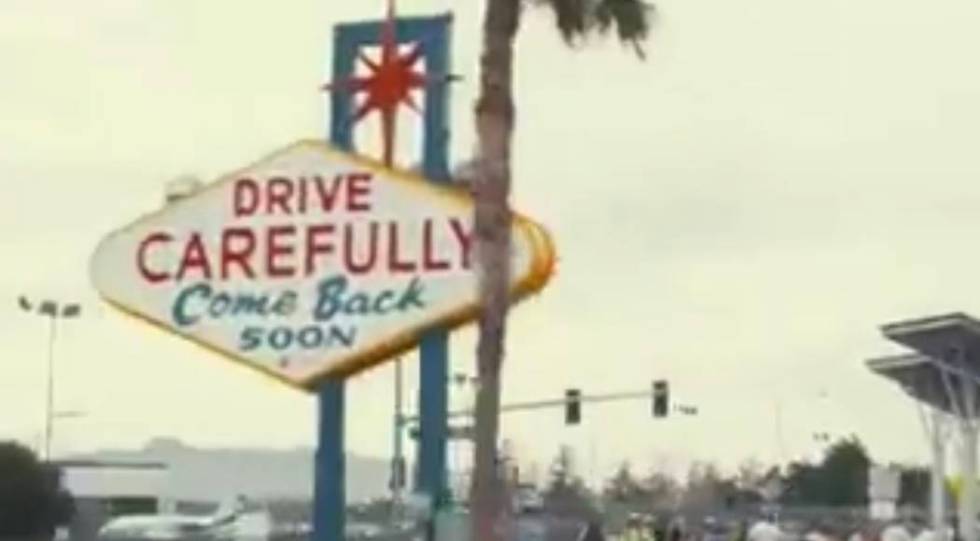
[(202, 300), (334, 298)]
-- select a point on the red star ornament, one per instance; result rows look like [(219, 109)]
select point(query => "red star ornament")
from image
[(389, 85)]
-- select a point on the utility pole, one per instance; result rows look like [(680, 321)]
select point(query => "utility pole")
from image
[(398, 461)]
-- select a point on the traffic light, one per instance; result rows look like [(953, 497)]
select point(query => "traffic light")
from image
[(661, 398), (573, 407)]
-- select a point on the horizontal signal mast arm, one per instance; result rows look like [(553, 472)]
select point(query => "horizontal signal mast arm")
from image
[(552, 403)]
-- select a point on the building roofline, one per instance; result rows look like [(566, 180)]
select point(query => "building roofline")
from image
[(110, 464)]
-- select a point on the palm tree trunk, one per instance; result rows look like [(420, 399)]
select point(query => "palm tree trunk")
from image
[(492, 222)]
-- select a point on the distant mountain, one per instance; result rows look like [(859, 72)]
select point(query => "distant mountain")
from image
[(211, 475)]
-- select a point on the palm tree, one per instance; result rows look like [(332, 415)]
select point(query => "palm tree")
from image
[(494, 114)]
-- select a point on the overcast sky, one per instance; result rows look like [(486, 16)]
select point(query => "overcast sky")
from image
[(736, 214)]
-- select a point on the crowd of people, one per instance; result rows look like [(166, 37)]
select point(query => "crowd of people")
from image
[(648, 528)]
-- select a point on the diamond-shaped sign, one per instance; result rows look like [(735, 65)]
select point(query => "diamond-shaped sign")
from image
[(308, 264)]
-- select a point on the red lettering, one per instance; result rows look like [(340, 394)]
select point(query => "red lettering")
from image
[(429, 261), (394, 263), (279, 191), (315, 247), (245, 199), (149, 275), (238, 253), (327, 191), (464, 239), (303, 189), (195, 257), (358, 192), (353, 266), (275, 250)]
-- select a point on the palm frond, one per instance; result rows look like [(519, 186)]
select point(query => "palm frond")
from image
[(631, 18), (576, 19), (570, 18)]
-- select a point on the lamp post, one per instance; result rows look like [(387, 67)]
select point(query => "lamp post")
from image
[(401, 422), (398, 460), (53, 310), (459, 479)]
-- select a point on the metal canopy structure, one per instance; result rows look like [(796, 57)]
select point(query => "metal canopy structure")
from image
[(919, 377), (952, 342), (923, 381), (943, 374)]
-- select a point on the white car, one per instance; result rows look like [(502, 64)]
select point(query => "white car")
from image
[(362, 530), (155, 527), (232, 521)]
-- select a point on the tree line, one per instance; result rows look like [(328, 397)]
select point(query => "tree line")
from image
[(838, 479)]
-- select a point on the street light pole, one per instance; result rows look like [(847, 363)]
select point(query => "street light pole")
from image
[(49, 410), (398, 462), (53, 311), (460, 381)]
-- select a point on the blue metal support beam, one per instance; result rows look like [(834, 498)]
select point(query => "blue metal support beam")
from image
[(329, 498), (329, 501), (433, 33)]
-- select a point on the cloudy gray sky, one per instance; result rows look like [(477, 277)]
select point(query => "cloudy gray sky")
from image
[(736, 214)]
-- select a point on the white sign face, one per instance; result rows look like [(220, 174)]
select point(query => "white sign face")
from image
[(884, 483), (310, 263)]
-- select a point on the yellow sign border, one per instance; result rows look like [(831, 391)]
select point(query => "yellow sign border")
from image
[(542, 268)]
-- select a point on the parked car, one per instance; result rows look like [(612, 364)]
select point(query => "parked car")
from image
[(156, 527), (527, 499)]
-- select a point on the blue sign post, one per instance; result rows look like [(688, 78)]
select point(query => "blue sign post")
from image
[(431, 36), (329, 463)]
